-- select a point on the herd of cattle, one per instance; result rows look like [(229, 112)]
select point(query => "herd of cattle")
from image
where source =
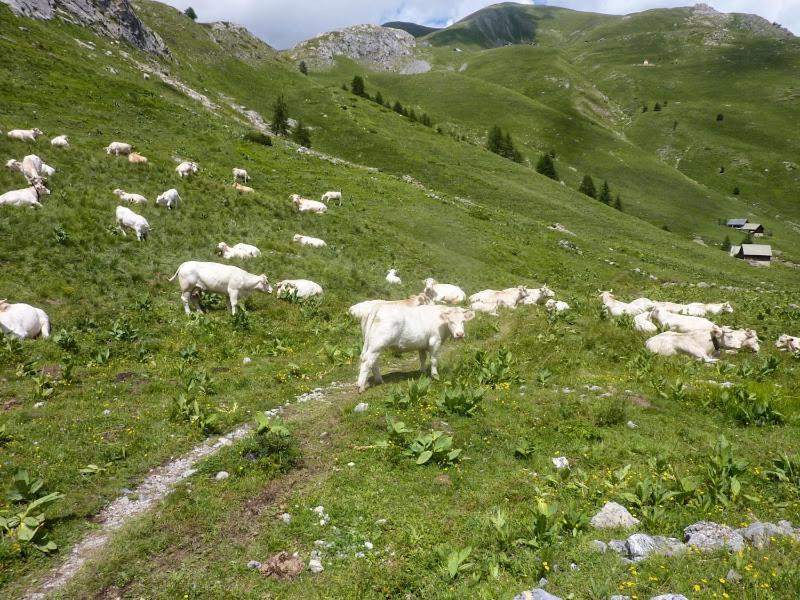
[(420, 323)]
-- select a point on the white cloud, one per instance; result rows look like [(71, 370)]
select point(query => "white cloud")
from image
[(283, 23)]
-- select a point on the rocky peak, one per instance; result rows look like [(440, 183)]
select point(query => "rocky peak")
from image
[(706, 15), (239, 41), (380, 47), (111, 18)]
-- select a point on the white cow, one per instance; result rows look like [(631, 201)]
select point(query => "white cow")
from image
[(306, 205), (615, 308), (305, 240), (739, 339), (186, 169), (126, 218), (136, 158), (244, 189), (788, 343), (25, 135), (240, 174), (60, 141), (538, 295), (642, 322), (556, 305), (31, 167), (672, 307), (392, 277), (328, 196), (117, 148), (443, 293), (300, 288), (701, 345), (362, 310), (507, 298), (170, 199), (196, 277), (238, 251), (23, 320), (132, 198), (405, 329), (699, 309), (680, 323), (29, 196)]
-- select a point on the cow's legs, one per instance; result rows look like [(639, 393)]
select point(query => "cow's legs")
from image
[(423, 357), (434, 350), (233, 296), (186, 298), (376, 370), (368, 358)]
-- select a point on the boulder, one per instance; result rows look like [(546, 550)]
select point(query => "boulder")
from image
[(613, 515), (536, 594), (706, 535)]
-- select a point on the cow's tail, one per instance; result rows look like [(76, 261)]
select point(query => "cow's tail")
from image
[(176, 274)]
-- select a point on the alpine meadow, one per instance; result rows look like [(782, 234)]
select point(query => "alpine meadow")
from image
[(578, 377)]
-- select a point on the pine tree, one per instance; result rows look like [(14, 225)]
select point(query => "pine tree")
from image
[(412, 116), (644, 108), (426, 120), (494, 142), (605, 193), (720, 117), (303, 68), (618, 203), (302, 135), (736, 191), (726, 243), (546, 167), (280, 117), (357, 86), (398, 108), (189, 12), (379, 98), (657, 107), (587, 187)]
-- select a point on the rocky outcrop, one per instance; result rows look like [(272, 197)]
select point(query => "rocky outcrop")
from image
[(239, 42), (378, 47), (111, 18), (723, 24)]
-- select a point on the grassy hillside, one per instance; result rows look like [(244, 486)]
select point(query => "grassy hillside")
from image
[(124, 350)]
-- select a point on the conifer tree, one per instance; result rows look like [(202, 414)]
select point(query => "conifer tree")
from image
[(357, 86), (587, 187), (546, 167), (605, 193), (280, 117), (303, 68)]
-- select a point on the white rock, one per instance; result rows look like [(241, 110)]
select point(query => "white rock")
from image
[(368, 545), (107, 412), (631, 425), (285, 517), (361, 407), (315, 564), (560, 462), (222, 476), (613, 515), (247, 360), (38, 405), (351, 464)]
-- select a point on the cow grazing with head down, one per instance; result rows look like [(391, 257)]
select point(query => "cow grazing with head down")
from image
[(196, 277), (406, 329)]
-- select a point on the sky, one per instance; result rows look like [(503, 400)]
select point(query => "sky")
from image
[(284, 23)]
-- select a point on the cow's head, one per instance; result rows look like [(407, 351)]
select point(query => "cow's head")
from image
[(296, 198), (14, 165), (297, 237), (429, 283), (4, 305), (36, 132), (263, 284), (118, 192), (717, 337), (455, 319), (546, 292), (40, 187), (748, 340), (726, 307), (221, 247), (606, 295)]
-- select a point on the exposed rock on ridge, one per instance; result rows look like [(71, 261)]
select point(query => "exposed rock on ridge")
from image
[(112, 18), (381, 47), (239, 41)]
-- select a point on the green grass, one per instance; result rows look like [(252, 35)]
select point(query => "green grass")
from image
[(480, 221)]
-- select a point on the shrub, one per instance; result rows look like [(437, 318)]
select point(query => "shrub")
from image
[(413, 394), (398, 108), (618, 203), (723, 469), (273, 447), (498, 369), (460, 400), (195, 414), (258, 137), (612, 412), (23, 523), (435, 446), (302, 134), (502, 144), (379, 98), (302, 67), (190, 12), (66, 341), (736, 191), (657, 107), (720, 117)]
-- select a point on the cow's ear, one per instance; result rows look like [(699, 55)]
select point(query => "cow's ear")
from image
[(469, 315)]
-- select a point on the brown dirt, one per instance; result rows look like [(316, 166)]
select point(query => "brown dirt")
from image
[(283, 566), (638, 400)]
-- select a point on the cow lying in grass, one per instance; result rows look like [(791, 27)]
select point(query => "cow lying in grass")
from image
[(23, 320)]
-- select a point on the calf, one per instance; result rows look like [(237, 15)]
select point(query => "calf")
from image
[(305, 205), (136, 158), (244, 189), (507, 298), (29, 196), (132, 198), (25, 135), (698, 309), (61, 141), (126, 218), (680, 323), (23, 320), (556, 305), (170, 199), (443, 293), (117, 148), (238, 251), (405, 329), (328, 196), (305, 240), (788, 343), (196, 277), (392, 278), (240, 174), (186, 169), (702, 345), (615, 308), (739, 339), (300, 288)]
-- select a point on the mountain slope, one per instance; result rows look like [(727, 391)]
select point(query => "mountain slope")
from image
[(424, 202), (412, 28)]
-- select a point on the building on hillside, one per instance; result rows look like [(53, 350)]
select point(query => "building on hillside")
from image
[(735, 250), (756, 252), (754, 229), (736, 223)]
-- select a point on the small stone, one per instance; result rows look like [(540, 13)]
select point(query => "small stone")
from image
[(380, 522), (320, 510), (618, 597), (222, 476), (351, 464), (38, 405), (618, 546), (543, 581), (706, 535), (106, 412), (759, 534), (613, 515), (669, 597), (573, 567), (733, 576), (253, 564), (601, 547), (369, 545), (285, 517), (560, 462), (631, 425), (315, 563), (324, 436), (640, 545), (247, 360), (319, 543), (536, 594), (361, 407)]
